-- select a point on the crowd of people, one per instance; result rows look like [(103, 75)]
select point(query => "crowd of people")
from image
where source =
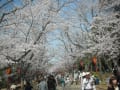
[(86, 80), (51, 81)]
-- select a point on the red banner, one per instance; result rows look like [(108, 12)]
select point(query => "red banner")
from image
[(94, 60), (81, 63), (8, 71)]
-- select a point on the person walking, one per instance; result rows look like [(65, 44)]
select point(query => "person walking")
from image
[(76, 76), (62, 82), (81, 77), (113, 84), (43, 84), (28, 86), (88, 82), (51, 82), (13, 86)]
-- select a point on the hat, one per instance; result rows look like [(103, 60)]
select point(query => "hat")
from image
[(87, 73), (83, 74), (13, 86)]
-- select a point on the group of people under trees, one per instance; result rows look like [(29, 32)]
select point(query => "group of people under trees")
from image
[(88, 82), (48, 83), (86, 79)]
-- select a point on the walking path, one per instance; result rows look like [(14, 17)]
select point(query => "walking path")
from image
[(77, 87)]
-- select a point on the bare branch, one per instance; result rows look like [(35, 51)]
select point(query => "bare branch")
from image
[(13, 11), (41, 33)]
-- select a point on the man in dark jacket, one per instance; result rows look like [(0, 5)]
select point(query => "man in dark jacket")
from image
[(28, 86), (51, 83)]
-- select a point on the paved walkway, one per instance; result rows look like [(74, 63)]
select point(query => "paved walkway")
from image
[(72, 87), (77, 87)]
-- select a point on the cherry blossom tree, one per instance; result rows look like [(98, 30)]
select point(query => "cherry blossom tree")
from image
[(24, 35), (105, 31), (97, 34)]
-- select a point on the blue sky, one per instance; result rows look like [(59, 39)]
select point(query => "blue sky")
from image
[(10, 5), (71, 7)]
